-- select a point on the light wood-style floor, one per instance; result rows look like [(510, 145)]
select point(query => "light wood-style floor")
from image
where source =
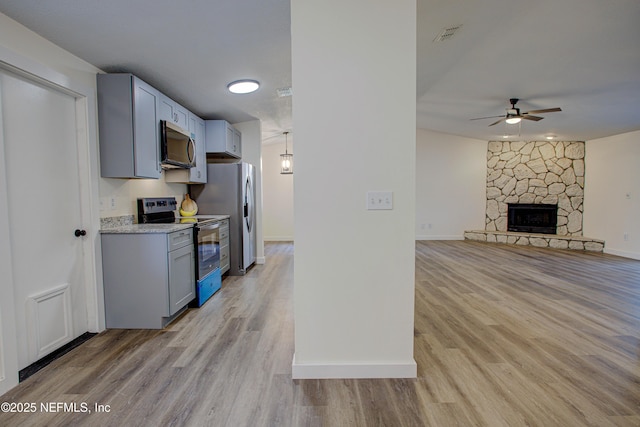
[(504, 336)]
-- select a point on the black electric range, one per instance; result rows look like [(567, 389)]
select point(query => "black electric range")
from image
[(161, 210), (206, 239)]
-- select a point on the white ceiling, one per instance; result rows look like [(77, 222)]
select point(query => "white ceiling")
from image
[(580, 55)]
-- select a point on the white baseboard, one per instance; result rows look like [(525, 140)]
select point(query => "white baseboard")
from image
[(260, 260), (439, 237), (278, 238), (353, 370), (626, 254)]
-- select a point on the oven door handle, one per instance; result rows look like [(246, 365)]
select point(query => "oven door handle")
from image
[(208, 226)]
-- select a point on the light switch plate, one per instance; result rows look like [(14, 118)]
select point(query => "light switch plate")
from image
[(379, 200)]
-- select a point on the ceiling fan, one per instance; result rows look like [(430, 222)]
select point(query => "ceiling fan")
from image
[(514, 115)]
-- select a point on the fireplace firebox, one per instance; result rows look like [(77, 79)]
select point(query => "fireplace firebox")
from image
[(532, 218)]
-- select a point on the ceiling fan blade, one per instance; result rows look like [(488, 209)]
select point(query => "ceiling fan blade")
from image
[(489, 117), (546, 110), (530, 117), (495, 123)]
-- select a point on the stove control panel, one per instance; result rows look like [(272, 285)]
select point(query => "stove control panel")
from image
[(150, 205)]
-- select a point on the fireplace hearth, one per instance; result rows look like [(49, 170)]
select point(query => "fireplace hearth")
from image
[(532, 218)]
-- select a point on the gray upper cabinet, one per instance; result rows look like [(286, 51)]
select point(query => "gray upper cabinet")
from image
[(198, 173), (223, 140), (173, 112), (128, 126)]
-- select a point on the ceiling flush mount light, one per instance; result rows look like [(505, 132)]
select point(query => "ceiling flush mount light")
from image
[(286, 159), (243, 86), (513, 120)]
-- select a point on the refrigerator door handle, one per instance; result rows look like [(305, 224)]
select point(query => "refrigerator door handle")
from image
[(248, 203)]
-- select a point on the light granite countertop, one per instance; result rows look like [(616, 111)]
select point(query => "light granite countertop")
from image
[(145, 228), (124, 225)]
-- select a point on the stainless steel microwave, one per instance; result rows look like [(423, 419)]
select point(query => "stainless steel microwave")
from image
[(177, 148)]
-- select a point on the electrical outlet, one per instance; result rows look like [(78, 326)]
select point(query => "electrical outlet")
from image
[(423, 226), (379, 200), (112, 203), (626, 237), (429, 226)]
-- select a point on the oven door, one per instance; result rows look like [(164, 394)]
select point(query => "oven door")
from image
[(208, 242)]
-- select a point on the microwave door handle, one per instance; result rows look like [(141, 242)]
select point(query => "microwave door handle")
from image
[(192, 161)]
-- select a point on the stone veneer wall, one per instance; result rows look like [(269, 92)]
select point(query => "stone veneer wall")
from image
[(536, 172)]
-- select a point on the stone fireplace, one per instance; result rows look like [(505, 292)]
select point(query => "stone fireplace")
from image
[(537, 172), (532, 175)]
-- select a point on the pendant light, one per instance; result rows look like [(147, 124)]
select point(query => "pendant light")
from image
[(286, 159)]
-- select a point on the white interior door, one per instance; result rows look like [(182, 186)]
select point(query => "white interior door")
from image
[(39, 135)]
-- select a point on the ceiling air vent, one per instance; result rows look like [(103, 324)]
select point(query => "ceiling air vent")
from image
[(447, 33), (284, 91)]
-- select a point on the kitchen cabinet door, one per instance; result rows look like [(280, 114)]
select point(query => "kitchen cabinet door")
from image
[(199, 173), (224, 246), (236, 145), (183, 116), (146, 132), (128, 126), (181, 278), (173, 112)]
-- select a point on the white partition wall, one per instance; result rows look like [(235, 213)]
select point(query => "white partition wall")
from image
[(612, 193), (354, 73)]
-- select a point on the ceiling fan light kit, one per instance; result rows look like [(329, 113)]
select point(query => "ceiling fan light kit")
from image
[(514, 116)]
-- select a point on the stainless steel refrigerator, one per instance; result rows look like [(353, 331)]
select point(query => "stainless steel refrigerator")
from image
[(230, 191)]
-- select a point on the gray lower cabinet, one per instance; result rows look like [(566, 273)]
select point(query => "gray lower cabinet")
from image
[(148, 278), (128, 126), (224, 245)]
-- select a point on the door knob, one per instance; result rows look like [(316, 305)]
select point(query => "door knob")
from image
[(79, 233)]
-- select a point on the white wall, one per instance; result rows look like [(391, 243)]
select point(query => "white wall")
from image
[(125, 193), (354, 74), (612, 171), (252, 153), (450, 188), (278, 194), (451, 176)]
